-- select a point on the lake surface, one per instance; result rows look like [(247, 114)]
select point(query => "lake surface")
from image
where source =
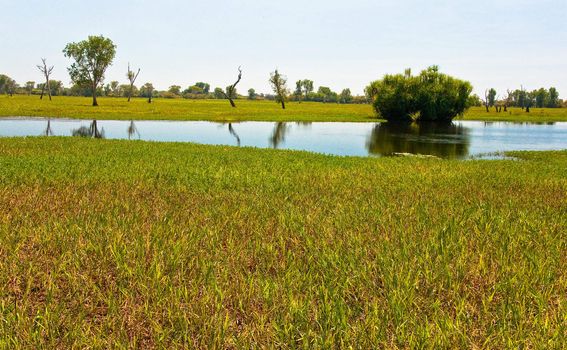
[(461, 139)]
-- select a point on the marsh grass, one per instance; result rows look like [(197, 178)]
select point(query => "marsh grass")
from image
[(116, 244), (220, 110)]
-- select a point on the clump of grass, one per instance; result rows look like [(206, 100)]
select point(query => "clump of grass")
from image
[(108, 244)]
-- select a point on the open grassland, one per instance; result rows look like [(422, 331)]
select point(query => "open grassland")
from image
[(116, 244), (220, 110)]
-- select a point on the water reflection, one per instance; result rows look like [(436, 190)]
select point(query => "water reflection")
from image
[(48, 131), (233, 133), (278, 135), (132, 130), (461, 139), (90, 131), (441, 140)]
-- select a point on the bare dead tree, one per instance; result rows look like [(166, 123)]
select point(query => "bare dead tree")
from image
[(486, 101), (507, 100), (231, 90), (46, 73), (132, 79)]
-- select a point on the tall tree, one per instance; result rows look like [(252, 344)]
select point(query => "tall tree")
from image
[(278, 83), (148, 91), (345, 96), (298, 93), (46, 73), (491, 97), (307, 87), (553, 100), (132, 79), (92, 57), (230, 93), (30, 86)]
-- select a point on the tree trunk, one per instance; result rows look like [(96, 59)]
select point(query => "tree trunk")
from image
[(95, 103), (487, 110), (505, 108), (130, 92), (42, 90), (231, 102), (49, 90), (528, 109), (283, 104), (150, 99)]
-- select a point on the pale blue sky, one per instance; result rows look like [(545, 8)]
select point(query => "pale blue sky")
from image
[(340, 44)]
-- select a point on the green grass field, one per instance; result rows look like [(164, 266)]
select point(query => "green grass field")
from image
[(220, 110), (117, 244)]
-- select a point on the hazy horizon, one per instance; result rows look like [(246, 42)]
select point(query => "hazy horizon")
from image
[(501, 44)]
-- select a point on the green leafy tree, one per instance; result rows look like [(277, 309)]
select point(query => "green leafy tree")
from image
[(204, 87), (541, 98), (92, 57), (147, 90), (252, 94), (430, 96), (30, 85), (345, 96), (553, 98), (218, 93), (174, 89), (279, 87), (307, 86), (491, 97)]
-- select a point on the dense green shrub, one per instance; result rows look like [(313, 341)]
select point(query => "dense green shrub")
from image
[(430, 96)]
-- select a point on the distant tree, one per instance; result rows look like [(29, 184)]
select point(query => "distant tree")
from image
[(114, 88), (491, 97), (553, 98), (307, 86), (252, 94), (204, 87), (230, 93), (175, 89), (46, 73), (298, 93), (132, 79), (279, 87), (7, 85), (92, 57), (541, 98), (345, 96), (474, 101), (30, 85), (218, 93), (147, 90)]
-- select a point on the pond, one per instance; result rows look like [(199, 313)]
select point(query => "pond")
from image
[(460, 139)]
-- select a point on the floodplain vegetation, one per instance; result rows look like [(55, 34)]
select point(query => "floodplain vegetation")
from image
[(220, 110), (118, 244)]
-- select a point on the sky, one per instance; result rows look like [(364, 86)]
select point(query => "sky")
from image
[(498, 44)]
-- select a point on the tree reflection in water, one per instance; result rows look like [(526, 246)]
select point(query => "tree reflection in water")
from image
[(278, 135), (233, 133), (132, 130), (437, 139), (48, 131), (91, 131)]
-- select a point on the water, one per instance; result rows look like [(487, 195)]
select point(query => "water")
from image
[(460, 140)]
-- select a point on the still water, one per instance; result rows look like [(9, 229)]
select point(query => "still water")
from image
[(461, 139)]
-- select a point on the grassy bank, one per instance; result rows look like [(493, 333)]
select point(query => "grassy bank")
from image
[(220, 110), (113, 244)]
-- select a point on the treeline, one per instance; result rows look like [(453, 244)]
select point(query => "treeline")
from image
[(200, 90), (540, 98)]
